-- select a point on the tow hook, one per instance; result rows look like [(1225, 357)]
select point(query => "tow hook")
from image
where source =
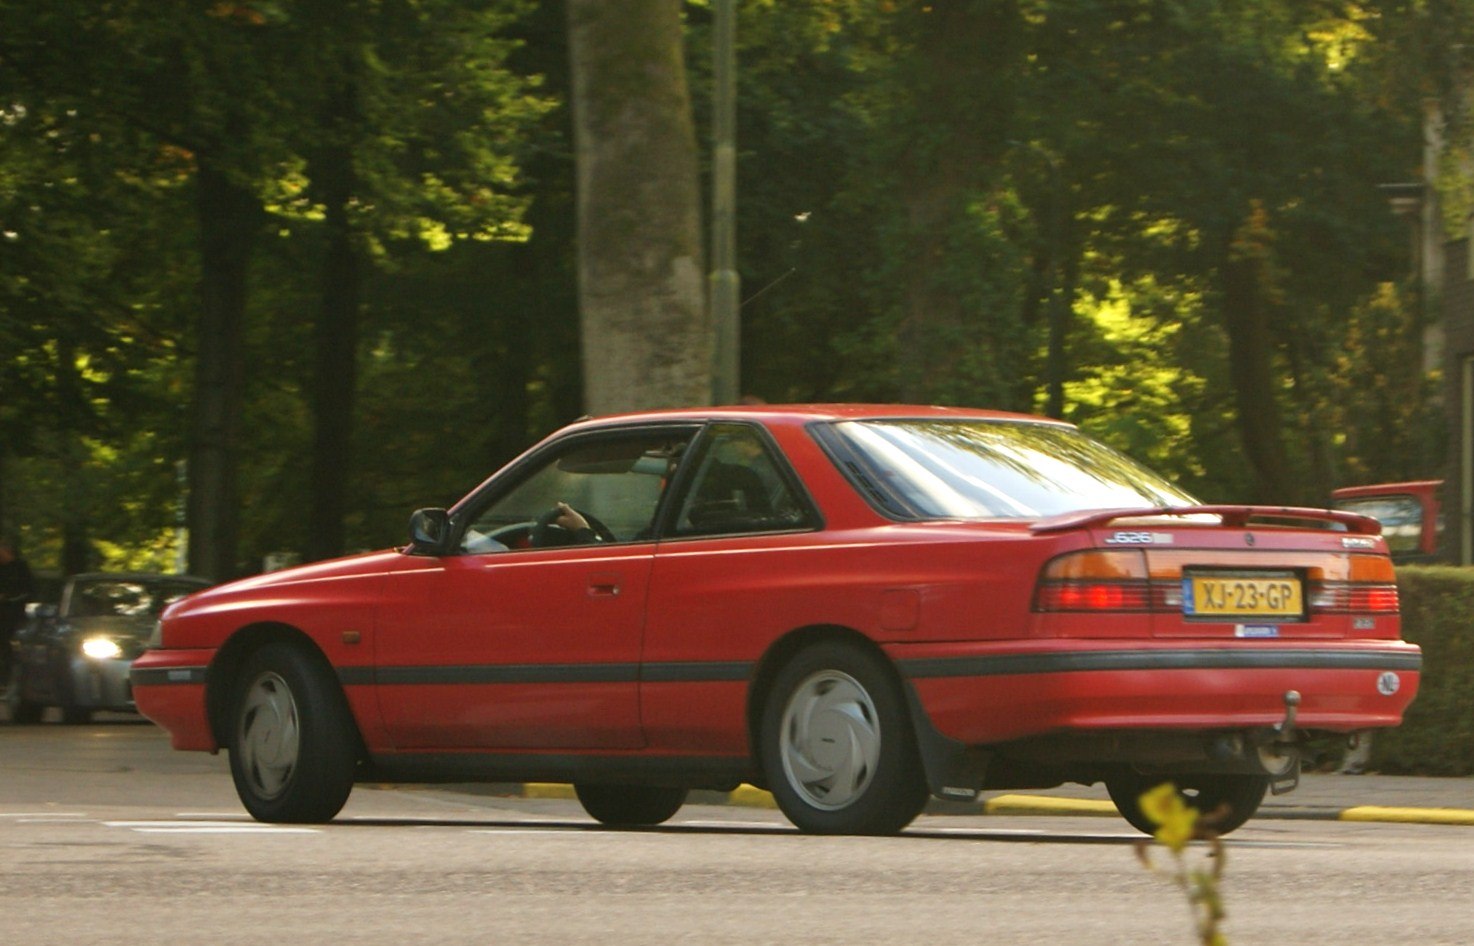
[(1280, 756), (1286, 726)]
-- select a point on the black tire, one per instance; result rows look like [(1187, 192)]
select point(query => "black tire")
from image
[(1230, 800), (74, 715), (293, 745), (837, 744), (630, 805), (22, 712)]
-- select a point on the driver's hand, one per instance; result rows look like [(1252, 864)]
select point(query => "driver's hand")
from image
[(569, 518)]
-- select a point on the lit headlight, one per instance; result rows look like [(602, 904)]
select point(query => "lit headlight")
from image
[(101, 648)]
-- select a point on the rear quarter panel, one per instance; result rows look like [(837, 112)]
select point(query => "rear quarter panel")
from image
[(717, 606)]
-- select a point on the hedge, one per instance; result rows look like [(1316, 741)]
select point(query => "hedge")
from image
[(1437, 734)]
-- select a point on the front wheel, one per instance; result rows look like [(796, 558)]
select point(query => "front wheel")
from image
[(837, 745), (1228, 800), (293, 747), (630, 805)]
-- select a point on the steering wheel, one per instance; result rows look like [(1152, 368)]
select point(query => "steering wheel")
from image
[(546, 533)]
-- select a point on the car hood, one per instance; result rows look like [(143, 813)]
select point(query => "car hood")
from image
[(260, 587)]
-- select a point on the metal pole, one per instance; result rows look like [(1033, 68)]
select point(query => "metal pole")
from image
[(725, 283)]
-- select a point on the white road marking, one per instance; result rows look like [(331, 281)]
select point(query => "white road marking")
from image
[(545, 832), (745, 825), (207, 827)]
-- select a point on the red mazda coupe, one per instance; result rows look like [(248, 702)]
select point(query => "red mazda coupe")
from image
[(855, 606)]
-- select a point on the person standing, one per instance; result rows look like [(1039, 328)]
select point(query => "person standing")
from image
[(17, 586)]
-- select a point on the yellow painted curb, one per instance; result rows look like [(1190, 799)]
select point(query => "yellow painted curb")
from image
[(1047, 805), (1409, 815), (750, 796), (745, 795), (547, 790)]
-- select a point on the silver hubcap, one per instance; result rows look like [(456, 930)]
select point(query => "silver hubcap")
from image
[(270, 735), (830, 740)]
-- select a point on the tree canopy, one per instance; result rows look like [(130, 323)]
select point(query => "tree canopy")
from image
[(279, 272)]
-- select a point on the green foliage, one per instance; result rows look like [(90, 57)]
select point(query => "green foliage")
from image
[(106, 115), (1437, 734), (920, 187), (1137, 387), (1377, 398)]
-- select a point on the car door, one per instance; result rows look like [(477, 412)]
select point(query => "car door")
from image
[(738, 563), (528, 636)]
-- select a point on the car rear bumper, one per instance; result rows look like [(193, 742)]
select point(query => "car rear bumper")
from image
[(169, 688), (988, 693)]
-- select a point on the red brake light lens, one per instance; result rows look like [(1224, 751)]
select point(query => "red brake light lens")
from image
[(1094, 596), (1113, 580), (1347, 598)]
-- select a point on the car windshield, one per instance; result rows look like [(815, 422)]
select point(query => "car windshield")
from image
[(125, 597), (979, 469)]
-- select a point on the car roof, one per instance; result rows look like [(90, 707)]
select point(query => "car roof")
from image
[(1383, 489), (135, 576), (803, 413)]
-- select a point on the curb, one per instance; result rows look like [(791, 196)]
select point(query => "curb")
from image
[(748, 796)]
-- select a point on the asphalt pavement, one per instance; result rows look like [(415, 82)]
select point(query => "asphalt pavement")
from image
[(1320, 795)]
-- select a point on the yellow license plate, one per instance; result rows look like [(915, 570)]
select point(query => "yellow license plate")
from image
[(1259, 594)]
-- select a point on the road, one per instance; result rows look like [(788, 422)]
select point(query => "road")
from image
[(108, 837)]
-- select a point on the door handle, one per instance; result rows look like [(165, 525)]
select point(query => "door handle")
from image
[(604, 586)]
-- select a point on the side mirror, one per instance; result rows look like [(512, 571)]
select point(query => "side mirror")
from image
[(429, 531)]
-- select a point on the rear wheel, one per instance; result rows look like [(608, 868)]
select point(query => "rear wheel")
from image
[(837, 744), (21, 710), (293, 748), (630, 805), (1230, 800)]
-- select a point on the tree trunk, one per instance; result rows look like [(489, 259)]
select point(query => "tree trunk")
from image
[(1251, 370), (334, 383), (647, 335), (73, 421), (961, 81), (229, 216)]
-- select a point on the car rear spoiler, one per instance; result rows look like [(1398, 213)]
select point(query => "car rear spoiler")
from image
[(1235, 517)]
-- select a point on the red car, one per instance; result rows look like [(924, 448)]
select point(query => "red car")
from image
[(856, 607), (1410, 513)]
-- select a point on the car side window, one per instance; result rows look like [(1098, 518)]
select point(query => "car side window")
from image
[(614, 484), (738, 487)]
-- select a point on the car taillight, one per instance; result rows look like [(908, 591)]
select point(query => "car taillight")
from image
[(1372, 589), (1114, 580)]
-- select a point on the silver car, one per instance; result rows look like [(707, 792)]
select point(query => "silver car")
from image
[(75, 654)]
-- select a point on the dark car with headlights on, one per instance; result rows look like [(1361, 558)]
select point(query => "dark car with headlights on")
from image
[(75, 654)]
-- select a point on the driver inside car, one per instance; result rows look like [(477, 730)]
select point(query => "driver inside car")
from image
[(575, 530), (570, 520)]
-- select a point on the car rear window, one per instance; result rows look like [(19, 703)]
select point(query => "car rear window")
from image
[(977, 469)]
